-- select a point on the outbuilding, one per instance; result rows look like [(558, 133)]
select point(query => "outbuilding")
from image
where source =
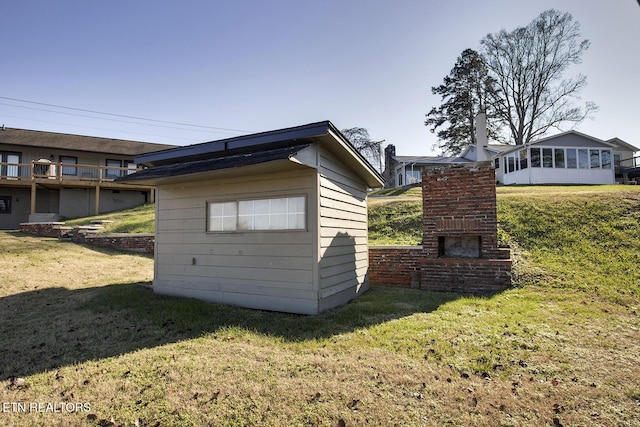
[(274, 220)]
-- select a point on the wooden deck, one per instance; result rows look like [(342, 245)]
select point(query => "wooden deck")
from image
[(49, 174)]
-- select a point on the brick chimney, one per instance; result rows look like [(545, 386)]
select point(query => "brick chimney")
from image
[(460, 231)]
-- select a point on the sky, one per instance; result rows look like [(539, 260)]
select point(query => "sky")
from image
[(189, 71)]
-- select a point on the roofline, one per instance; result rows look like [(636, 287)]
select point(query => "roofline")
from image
[(624, 144), (290, 134), (538, 141), (83, 136), (237, 142)]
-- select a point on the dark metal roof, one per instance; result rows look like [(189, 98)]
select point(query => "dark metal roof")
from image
[(244, 143), (216, 163), (63, 141), (256, 148)]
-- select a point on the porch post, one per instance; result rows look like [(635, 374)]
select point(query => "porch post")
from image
[(33, 197), (97, 207)]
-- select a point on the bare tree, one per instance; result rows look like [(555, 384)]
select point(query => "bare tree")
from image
[(527, 65), (361, 141)]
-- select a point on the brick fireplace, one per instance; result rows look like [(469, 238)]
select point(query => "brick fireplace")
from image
[(460, 234)]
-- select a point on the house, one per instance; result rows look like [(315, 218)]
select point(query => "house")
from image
[(46, 176), (408, 170), (274, 220), (567, 158)]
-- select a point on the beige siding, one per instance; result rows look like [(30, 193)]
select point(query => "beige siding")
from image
[(267, 270), (343, 233)]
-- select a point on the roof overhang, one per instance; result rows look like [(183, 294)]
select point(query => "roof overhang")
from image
[(280, 145)]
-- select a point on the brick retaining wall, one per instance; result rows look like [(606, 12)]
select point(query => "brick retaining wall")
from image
[(395, 265), (89, 235)]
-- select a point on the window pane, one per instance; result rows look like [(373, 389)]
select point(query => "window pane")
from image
[(222, 216), (261, 222), (278, 206), (5, 205), (547, 157), (296, 205), (511, 163), (296, 221), (583, 158), (559, 157), (68, 160), (617, 159), (535, 157), (278, 222), (594, 156), (523, 159), (572, 161), (606, 159)]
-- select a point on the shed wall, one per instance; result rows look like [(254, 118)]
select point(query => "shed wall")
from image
[(257, 269), (343, 233)]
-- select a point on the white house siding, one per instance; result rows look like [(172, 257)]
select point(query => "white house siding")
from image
[(559, 176), (272, 270), (343, 233)]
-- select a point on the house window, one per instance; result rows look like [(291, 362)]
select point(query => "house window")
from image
[(282, 213), (131, 167), (547, 157), (606, 159), (511, 163), (583, 158), (617, 160), (69, 170), (594, 159), (523, 159), (113, 169), (10, 167), (413, 176), (558, 157), (5, 205), (535, 157), (572, 159)]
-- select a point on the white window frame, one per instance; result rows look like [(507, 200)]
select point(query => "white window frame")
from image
[(264, 214)]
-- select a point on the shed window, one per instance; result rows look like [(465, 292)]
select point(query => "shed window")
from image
[(223, 216), (282, 213)]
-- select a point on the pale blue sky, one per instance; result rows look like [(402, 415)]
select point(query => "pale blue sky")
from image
[(253, 66)]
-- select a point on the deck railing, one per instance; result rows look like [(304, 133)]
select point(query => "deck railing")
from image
[(61, 172)]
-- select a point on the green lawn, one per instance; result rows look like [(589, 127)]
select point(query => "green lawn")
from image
[(81, 325)]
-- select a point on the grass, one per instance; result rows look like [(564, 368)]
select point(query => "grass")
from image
[(560, 348), (136, 220)]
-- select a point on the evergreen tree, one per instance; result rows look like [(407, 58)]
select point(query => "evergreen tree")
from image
[(464, 93)]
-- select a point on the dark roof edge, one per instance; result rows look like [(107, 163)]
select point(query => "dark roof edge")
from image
[(255, 139)]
